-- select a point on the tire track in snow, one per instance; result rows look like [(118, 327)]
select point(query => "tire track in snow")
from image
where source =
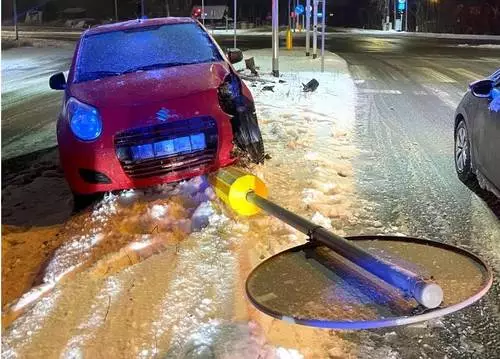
[(201, 289), (99, 311), (20, 334)]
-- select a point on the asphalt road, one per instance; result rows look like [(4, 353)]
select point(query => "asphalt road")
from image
[(408, 90)]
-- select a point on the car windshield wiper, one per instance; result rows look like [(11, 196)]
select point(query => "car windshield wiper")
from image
[(98, 74), (156, 66)]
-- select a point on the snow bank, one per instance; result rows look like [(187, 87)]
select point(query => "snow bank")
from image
[(419, 34), (101, 223), (481, 46)]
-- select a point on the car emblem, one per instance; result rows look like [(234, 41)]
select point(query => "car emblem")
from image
[(163, 115)]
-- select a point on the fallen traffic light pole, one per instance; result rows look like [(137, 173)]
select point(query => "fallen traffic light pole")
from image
[(338, 267)]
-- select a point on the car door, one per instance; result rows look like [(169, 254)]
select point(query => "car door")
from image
[(488, 130)]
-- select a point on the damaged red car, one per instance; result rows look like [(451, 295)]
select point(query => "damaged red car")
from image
[(149, 102)]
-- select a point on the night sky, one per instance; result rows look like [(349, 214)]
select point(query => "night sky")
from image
[(352, 13)]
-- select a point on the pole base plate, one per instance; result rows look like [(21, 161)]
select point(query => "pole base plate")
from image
[(312, 285)]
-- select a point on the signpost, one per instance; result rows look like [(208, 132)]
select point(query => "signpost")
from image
[(401, 10), (308, 26), (275, 38), (299, 10), (315, 28), (323, 13), (234, 22), (203, 12)]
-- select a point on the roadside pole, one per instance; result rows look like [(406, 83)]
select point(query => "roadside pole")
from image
[(142, 9), (203, 12), (308, 25), (395, 13), (315, 29), (323, 13), (406, 16), (294, 18), (275, 10), (116, 10), (289, 14), (298, 19), (14, 13), (234, 22)]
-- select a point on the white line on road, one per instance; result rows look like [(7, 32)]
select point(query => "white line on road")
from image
[(361, 72), (466, 73), (381, 91), (436, 75)]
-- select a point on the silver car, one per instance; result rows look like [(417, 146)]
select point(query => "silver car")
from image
[(477, 135)]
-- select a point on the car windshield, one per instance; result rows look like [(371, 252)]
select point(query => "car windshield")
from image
[(117, 52)]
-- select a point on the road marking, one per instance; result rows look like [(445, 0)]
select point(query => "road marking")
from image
[(490, 59), (381, 91), (420, 93), (447, 98), (431, 73), (361, 72), (392, 74), (466, 73)]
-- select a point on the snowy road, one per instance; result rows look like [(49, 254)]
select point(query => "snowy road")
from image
[(404, 131), (29, 106)]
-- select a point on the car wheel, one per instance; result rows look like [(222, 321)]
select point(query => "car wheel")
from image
[(463, 164), (247, 135)]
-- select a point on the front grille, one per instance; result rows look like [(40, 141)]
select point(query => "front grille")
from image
[(160, 165)]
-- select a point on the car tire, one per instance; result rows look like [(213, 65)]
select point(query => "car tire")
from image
[(463, 160), (247, 135), (83, 201)]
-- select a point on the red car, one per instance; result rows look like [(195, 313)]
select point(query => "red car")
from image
[(149, 102)]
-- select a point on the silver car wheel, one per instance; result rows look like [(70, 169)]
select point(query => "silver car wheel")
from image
[(461, 148)]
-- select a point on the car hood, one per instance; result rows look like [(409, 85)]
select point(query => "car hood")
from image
[(143, 87)]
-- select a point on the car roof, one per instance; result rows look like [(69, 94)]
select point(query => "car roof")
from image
[(137, 23)]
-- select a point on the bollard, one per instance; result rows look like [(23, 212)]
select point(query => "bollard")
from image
[(289, 40)]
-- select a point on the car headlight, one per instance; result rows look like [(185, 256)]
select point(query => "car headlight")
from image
[(84, 120), (229, 93)]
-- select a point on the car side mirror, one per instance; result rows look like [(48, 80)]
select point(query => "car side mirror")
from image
[(234, 55), (57, 81), (482, 88)]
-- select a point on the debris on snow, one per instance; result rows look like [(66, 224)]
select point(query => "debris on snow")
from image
[(321, 220), (311, 86), (201, 216)]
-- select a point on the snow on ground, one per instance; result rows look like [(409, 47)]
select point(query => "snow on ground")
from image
[(481, 46), (162, 270), (420, 34)]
